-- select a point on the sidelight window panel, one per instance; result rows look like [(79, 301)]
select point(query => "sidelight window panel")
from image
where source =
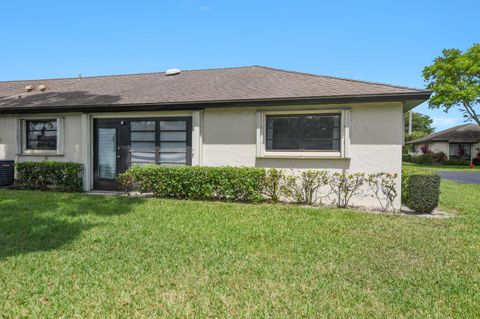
[(143, 146), (173, 158), (173, 125), (142, 125), (173, 147), (173, 136), (142, 136), (163, 141), (107, 153), (142, 157)]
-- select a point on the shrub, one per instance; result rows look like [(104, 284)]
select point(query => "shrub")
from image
[(424, 159), (344, 186), (421, 191), (406, 158), (61, 176), (384, 188), (457, 162), (439, 157), (405, 180), (273, 184), (202, 183), (425, 148), (304, 188), (476, 161)]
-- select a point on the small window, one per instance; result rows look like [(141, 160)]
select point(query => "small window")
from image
[(303, 132), (41, 134)]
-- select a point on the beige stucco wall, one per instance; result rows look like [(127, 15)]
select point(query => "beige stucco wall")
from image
[(229, 138), (72, 139)]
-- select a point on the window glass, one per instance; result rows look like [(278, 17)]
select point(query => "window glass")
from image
[(142, 136), (41, 134), (303, 132), (107, 153), (173, 146), (173, 142), (173, 136), (173, 158), (159, 141), (173, 125), (142, 125), (142, 146), (142, 157)]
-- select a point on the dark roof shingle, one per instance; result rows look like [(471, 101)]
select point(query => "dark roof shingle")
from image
[(465, 133), (195, 86)]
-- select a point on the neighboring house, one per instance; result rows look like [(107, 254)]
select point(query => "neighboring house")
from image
[(246, 116), (459, 142)]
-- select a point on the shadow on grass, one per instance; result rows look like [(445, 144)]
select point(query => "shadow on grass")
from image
[(36, 221)]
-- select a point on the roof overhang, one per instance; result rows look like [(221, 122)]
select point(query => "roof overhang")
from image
[(410, 104), (409, 100)]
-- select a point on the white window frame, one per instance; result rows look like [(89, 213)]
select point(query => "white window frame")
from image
[(343, 153), (22, 137)]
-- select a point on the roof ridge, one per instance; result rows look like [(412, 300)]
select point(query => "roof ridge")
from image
[(344, 79), (439, 134), (125, 74)]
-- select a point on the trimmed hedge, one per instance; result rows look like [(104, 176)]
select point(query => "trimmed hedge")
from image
[(425, 159), (195, 182), (406, 158), (457, 162), (61, 176), (420, 190)]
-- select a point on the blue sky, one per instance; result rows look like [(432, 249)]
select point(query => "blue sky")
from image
[(384, 41)]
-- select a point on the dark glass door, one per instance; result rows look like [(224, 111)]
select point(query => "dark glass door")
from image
[(111, 152), (121, 143)]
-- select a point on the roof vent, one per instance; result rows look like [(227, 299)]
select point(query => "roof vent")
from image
[(42, 87), (28, 88), (172, 72)]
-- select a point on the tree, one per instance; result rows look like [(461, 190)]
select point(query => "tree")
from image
[(421, 126), (454, 79)]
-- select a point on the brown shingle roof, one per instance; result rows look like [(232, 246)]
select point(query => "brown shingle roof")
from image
[(195, 86), (466, 133)]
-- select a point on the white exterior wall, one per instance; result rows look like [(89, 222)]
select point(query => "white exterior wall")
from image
[(228, 137), (434, 147), (72, 139)]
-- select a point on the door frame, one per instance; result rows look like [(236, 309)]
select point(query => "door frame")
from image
[(122, 126), (98, 182)]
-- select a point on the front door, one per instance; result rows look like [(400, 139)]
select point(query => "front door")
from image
[(111, 152), (121, 143)]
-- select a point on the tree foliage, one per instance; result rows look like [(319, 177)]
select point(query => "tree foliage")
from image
[(454, 79), (421, 126)]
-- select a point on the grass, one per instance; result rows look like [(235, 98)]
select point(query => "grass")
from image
[(74, 255), (441, 167)]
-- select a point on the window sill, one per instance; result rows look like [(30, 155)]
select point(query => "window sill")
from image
[(306, 156), (41, 153)]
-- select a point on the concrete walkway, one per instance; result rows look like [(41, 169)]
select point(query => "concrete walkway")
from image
[(461, 177)]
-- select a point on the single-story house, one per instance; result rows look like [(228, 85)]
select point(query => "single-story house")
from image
[(459, 142), (245, 116)]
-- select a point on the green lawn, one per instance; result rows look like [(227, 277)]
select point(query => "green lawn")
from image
[(73, 255), (441, 167)]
